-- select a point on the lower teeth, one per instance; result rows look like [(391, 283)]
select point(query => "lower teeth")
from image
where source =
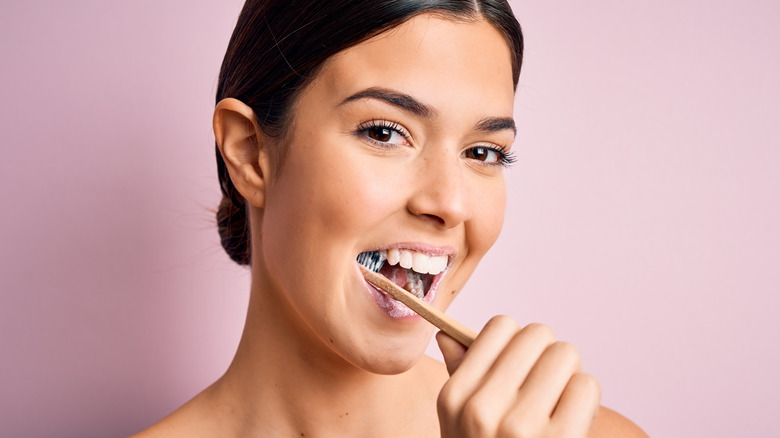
[(374, 260), (414, 284)]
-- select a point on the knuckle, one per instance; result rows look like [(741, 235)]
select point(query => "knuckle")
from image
[(542, 331), (475, 418), (566, 353), (511, 427), (503, 321), (587, 385), (447, 402)]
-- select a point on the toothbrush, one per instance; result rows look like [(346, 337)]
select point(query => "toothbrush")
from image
[(453, 328)]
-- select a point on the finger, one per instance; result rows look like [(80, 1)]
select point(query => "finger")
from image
[(468, 372), (488, 345), (479, 358), (498, 391), (546, 381), (578, 406), (451, 350)]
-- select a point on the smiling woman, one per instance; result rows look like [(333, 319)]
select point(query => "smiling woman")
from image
[(375, 132)]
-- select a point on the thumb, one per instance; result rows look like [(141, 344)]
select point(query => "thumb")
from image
[(452, 351)]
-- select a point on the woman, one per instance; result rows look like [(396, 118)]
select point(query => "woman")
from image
[(381, 127)]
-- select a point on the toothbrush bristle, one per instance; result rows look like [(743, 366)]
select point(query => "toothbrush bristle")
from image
[(372, 260)]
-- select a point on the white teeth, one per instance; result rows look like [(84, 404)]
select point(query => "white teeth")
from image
[(393, 256), (419, 262), (438, 264), (406, 259)]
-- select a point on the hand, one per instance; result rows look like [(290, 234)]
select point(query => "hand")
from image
[(515, 382)]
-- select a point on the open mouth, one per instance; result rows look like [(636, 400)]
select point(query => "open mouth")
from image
[(411, 270)]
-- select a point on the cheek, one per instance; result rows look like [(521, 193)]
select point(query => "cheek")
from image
[(488, 218), (351, 191), (325, 198), (351, 198)]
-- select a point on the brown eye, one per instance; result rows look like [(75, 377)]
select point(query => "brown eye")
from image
[(383, 133), (380, 134), (483, 154)]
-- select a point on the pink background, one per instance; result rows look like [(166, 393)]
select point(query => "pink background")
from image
[(642, 223)]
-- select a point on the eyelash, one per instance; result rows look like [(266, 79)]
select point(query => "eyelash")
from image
[(363, 128), (505, 157)]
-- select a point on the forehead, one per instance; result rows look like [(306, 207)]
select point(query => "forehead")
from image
[(445, 63)]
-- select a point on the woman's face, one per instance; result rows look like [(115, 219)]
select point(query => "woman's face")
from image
[(396, 147)]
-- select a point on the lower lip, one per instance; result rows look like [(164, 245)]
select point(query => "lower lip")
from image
[(395, 308)]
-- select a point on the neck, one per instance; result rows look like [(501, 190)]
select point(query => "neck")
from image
[(287, 381)]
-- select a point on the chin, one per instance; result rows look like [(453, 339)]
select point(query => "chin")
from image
[(391, 366), (392, 359)]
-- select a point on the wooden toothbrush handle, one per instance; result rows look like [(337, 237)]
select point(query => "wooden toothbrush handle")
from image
[(453, 328)]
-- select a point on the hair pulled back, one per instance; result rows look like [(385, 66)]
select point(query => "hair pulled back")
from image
[(278, 47)]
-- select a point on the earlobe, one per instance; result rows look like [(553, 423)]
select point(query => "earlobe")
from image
[(241, 144)]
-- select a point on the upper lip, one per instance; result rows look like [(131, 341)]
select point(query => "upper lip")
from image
[(427, 249)]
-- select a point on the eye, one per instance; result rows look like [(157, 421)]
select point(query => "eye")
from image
[(483, 154), (489, 156), (383, 133)]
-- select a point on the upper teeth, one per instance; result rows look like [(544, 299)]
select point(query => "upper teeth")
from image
[(416, 261)]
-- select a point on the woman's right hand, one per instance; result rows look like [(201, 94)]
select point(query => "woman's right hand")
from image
[(515, 382)]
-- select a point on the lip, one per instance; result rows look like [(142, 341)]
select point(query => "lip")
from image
[(397, 309), (429, 250)]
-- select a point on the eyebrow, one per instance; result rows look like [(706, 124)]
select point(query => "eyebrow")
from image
[(496, 124), (414, 106), (400, 100)]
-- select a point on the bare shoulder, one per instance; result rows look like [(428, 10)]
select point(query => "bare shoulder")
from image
[(162, 429), (610, 424), (158, 430), (177, 424), (192, 420)]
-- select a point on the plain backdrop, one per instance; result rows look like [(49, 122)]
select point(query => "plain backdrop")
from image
[(642, 222)]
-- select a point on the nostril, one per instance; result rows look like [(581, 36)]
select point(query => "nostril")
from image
[(428, 217), (433, 218)]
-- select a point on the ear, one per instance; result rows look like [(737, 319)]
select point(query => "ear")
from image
[(241, 144)]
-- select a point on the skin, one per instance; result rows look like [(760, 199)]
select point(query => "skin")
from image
[(318, 357)]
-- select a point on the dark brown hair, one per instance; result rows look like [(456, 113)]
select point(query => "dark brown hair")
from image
[(278, 47)]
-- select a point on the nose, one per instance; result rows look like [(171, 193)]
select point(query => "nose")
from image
[(441, 194)]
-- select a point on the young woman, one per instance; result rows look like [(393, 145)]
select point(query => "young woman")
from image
[(381, 127)]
